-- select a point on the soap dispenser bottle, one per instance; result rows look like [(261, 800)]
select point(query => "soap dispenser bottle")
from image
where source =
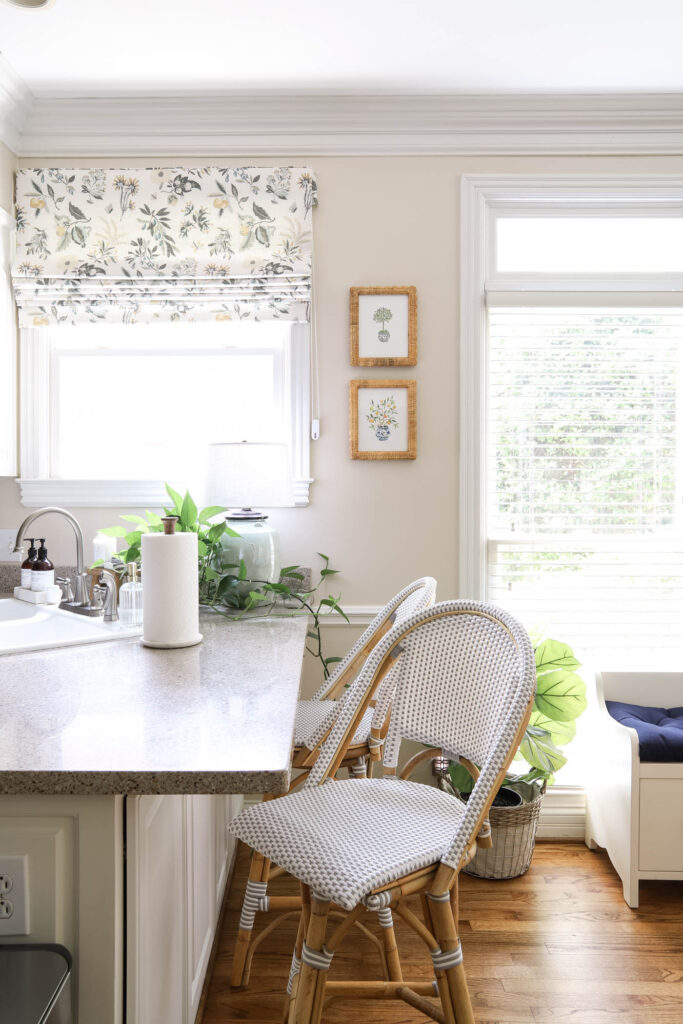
[(27, 565), (43, 571), (130, 598)]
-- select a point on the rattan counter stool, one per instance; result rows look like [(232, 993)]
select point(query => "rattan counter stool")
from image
[(314, 720), (464, 682)]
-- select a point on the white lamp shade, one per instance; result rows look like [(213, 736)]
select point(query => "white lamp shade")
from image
[(249, 474)]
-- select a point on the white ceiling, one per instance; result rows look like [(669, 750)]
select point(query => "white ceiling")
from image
[(114, 47)]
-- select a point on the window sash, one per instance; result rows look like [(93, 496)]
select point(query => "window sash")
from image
[(602, 564), (39, 487)]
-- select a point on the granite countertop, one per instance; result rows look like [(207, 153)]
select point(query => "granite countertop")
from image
[(120, 718)]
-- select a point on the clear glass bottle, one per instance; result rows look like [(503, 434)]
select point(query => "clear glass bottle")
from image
[(130, 598)]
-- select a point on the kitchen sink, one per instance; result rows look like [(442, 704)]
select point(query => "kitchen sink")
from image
[(27, 627)]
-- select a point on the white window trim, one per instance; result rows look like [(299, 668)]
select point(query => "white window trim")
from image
[(481, 198), (38, 488)]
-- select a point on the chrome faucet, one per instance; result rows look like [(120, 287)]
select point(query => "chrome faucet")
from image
[(81, 602), (106, 593)]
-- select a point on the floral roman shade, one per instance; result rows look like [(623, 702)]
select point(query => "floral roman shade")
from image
[(160, 244)]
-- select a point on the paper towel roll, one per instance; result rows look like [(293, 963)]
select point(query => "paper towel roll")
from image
[(170, 590)]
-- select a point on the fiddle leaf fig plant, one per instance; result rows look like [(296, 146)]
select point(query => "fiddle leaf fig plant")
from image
[(221, 586), (560, 699)]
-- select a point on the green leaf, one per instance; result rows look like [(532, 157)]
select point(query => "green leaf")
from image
[(561, 733), (292, 575), (134, 538), (175, 498), (231, 599), (227, 584), (216, 532), (560, 695), (261, 213), (287, 570), (324, 558), (78, 235), (312, 635), (201, 548), (242, 574), (552, 654), (114, 531), (538, 750), (329, 572), (229, 532), (76, 213), (208, 513), (188, 513), (153, 519), (331, 661), (460, 777)]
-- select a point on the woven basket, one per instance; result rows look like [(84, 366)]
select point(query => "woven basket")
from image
[(514, 833)]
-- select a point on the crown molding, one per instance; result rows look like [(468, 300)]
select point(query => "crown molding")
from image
[(15, 103), (258, 124)]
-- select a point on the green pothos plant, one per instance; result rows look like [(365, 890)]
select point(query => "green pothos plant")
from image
[(560, 699), (222, 587)]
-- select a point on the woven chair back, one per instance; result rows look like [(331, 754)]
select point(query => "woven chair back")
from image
[(463, 680), (417, 595)]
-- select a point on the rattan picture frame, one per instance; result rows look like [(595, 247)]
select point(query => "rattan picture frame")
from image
[(392, 344), (383, 419)]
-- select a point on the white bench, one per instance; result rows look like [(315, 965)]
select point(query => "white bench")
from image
[(634, 809)]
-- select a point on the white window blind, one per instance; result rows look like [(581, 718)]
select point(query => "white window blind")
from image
[(584, 523)]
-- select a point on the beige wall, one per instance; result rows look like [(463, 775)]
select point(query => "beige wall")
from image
[(381, 221)]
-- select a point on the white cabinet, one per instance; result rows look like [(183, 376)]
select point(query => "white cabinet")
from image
[(178, 857)]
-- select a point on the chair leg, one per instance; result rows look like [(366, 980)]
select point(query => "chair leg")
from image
[(386, 921), (310, 990), (255, 899), (295, 968), (444, 917)]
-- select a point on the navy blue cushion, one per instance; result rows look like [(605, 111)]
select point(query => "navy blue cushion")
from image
[(660, 730)]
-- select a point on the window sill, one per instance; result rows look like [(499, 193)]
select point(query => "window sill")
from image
[(113, 493)]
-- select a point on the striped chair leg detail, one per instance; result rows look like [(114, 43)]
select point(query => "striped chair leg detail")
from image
[(315, 962), (386, 920), (448, 958), (359, 769), (255, 900)]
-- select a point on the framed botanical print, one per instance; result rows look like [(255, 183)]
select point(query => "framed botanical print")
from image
[(384, 326), (383, 419)]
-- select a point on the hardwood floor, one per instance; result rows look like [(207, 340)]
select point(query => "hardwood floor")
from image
[(557, 945)]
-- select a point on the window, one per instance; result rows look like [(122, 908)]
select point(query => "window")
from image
[(127, 407), (574, 342)]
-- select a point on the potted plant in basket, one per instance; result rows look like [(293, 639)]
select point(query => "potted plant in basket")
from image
[(560, 699)]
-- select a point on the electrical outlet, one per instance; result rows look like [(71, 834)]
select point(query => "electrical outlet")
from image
[(7, 541), (14, 908)]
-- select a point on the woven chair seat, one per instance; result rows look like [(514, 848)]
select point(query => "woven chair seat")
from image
[(311, 714), (346, 838)]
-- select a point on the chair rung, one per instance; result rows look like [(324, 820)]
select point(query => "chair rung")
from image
[(284, 903), (376, 989)]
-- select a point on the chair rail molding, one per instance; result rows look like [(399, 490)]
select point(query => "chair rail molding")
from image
[(272, 124)]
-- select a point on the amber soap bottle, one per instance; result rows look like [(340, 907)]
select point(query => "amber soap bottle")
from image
[(27, 565), (43, 571)]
